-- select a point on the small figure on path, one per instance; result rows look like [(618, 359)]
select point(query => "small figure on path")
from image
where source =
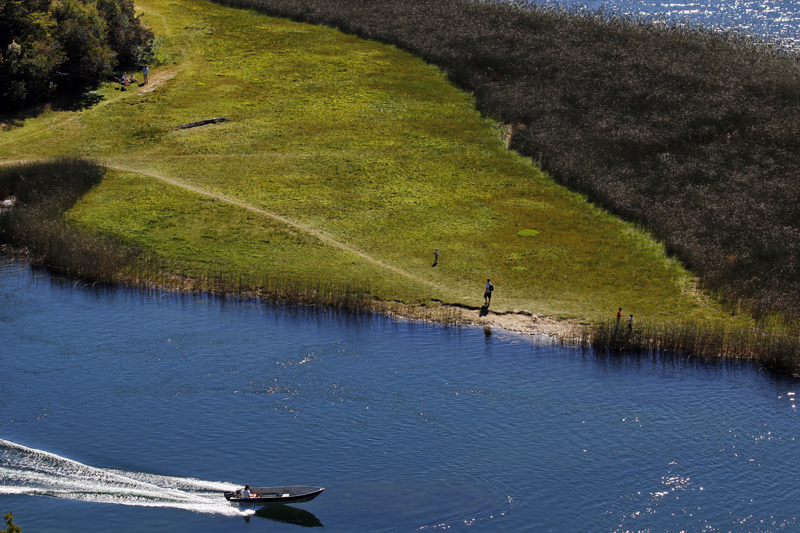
[(630, 323), (436, 257), (146, 74), (487, 293), (619, 316)]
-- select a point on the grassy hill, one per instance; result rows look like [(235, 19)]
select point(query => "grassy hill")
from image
[(343, 160)]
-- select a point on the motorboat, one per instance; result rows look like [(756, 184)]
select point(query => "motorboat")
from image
[(280, 495)]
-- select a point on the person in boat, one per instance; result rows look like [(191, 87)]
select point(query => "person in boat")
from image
[(247, 494)]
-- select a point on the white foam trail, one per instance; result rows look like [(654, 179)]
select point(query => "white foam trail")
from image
[(29, 471)]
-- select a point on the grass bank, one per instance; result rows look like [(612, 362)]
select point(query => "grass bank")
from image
[(41, 192), (344, 160), (44, 190), (35, 225), (691, 133)]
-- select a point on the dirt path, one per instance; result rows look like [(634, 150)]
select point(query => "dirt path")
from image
[(157, 79), (297, 225)]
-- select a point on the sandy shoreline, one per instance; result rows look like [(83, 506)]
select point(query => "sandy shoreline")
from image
[(518, 322)]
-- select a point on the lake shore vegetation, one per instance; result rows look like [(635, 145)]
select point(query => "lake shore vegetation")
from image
[(343, 165), (775, 348)]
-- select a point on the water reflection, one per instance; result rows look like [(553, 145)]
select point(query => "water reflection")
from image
[(286, 514)]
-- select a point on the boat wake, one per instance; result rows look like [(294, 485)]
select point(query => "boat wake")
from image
[(34, 472)]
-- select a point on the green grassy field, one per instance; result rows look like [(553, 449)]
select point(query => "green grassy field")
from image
[(343, 160)]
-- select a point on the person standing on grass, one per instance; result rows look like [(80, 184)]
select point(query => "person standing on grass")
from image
[(630, 323), (619, 316), (436, 257), (487, 293), (146, 74)]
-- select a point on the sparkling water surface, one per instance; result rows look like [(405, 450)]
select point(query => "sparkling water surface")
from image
[(124, 411), (773, 20)]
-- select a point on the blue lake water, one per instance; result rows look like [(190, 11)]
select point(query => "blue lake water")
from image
[(130, 411), (777, 20)]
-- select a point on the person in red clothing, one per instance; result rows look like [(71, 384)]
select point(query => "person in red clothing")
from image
[(619, 316)]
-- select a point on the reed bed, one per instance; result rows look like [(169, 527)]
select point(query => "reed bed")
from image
[(343, 299), (44, 190), (691, 133), (771, 348)]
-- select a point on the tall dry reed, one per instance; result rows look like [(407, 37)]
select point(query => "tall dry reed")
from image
[(771, 348)]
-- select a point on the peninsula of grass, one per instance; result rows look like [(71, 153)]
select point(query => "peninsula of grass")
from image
[(344, 163), (693, 133)]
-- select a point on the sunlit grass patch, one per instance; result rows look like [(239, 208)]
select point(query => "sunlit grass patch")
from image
[(196, 234)]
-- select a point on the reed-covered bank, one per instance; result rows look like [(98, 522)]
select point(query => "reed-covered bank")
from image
[(692, 133), (774, 348), (45, 189)]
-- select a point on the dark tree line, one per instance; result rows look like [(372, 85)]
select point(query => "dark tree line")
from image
[(65, 46)]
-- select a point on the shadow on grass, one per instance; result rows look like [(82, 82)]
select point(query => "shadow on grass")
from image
[(10, 121), (78, 101), (67, 102)]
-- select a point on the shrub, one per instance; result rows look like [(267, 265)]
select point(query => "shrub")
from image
[(132, 41)]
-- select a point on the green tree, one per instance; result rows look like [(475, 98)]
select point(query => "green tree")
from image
[(10, 524), (29, 54), (81, 32), (132, 41), (65, 45)]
